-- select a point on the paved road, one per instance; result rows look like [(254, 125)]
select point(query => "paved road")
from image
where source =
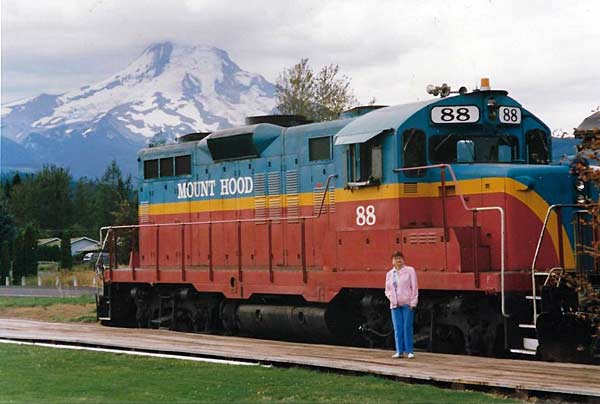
[(46, 292)]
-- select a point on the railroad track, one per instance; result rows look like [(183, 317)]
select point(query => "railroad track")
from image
[(533, 378)]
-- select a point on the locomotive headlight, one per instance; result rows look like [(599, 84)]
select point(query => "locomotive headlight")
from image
[(580, 186), (581, 199)]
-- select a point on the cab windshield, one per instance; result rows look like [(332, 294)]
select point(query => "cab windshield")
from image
[(460, 148)]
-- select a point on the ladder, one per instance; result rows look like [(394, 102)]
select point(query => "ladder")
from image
[(528, 330)]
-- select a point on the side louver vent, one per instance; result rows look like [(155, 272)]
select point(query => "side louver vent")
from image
[(260, 199), (144, 213), (274, 192), (410, 188), (292, 195), (328, 203)]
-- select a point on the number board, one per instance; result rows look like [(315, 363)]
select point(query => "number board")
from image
[(510, 115), (455, 114)]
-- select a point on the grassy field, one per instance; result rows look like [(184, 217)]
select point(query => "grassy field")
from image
[(44, 375), (49, 273), (57, 309)]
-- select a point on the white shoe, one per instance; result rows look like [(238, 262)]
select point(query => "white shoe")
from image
[(410, 356), (396, 355)]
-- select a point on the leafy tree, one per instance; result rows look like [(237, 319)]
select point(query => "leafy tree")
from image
[(318, 97), (43, 199), (52, 187), (66, 259)]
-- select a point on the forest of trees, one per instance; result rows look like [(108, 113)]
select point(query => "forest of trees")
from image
[(50, 203)]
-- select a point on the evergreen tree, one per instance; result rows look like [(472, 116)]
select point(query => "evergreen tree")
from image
[(4, 261), (7, 225), (85, 221), (66, 259), (113, 190), (319, 97), (18, 268), (29, 250), (16, 179)]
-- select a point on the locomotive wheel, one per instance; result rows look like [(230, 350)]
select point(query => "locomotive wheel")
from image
[(184, 320)]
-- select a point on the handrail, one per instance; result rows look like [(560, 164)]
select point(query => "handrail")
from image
[(138, 226), (538, 247), (467, 208)]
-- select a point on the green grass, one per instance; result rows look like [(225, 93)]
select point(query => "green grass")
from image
[(6, 301), (44, 375)]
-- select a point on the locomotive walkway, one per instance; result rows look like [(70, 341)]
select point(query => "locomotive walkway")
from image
[(468, 371)]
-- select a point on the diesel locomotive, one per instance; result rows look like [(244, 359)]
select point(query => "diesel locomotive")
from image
[(284, 228)]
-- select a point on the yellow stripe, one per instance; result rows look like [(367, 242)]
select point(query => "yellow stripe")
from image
[(492, 185)]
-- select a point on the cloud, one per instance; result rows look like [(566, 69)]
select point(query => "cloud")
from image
[(538, 49)]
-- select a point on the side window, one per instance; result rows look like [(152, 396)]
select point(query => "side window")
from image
[(319, 148), (150, 169), (183, 165), (537, 147), (413, 152), (166, 167), (365, 163)]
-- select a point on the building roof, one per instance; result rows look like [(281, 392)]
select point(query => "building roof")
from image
[(76, 239), (48, 241), (51, 241), (591, 122)]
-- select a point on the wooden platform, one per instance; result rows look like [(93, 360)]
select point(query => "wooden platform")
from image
[(466, 370)]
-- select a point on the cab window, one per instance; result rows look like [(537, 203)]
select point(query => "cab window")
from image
[(319, 148), (365, 163), (166, 167), (537, 147), (414, 152), (183, 165), (150, 169)]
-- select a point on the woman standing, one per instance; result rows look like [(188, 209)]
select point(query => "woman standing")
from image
[(402, 290)]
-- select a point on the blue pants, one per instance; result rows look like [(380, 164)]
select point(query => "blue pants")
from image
[(402, 318)]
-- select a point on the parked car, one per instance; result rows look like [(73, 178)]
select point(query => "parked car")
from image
[(92, 257)]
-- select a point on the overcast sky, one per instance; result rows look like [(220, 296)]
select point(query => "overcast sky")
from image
[(545, 53)]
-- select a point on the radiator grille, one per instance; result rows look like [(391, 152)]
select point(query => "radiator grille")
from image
[(260, 200), (292, 196), (328, 203), (410, 188), (422, 238), (274, 195), (144, 212)]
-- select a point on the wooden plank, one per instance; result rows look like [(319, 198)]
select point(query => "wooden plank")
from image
[(468, 370)]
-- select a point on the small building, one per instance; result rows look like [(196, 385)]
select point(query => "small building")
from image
[(79, 245), (82, 244)]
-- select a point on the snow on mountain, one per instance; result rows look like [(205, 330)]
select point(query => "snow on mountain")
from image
[(169, 90)]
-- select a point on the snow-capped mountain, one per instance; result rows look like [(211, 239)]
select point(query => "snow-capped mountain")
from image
[(169, 90)]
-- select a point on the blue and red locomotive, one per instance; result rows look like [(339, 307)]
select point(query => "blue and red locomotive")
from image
[(284, 229)]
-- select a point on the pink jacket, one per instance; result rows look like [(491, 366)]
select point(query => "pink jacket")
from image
[(407, 289)]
